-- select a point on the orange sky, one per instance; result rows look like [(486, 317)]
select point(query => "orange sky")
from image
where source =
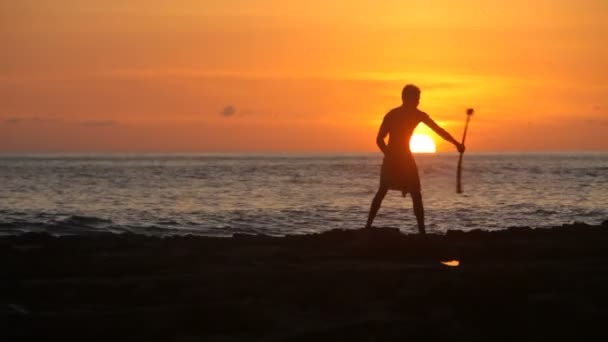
[(277, 75)]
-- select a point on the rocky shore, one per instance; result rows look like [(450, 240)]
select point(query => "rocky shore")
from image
[(518, 284)]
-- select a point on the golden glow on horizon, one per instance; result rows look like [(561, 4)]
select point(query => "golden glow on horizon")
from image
[(422, 143)]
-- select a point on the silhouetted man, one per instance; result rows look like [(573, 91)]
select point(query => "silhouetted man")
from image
[(399, 171)]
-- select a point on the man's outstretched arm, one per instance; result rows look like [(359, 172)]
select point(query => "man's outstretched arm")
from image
[(443, 133)]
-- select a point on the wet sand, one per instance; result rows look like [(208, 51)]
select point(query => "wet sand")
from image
[(519, 284)]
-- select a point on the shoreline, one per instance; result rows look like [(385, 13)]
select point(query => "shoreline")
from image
[(519, 283)]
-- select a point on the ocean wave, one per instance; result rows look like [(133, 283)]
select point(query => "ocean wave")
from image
[(209, 195), (83, 221)]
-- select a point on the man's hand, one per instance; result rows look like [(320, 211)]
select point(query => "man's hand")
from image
[(460, 147)]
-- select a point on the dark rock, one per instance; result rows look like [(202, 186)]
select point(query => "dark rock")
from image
[(454, 233), (371, 285)]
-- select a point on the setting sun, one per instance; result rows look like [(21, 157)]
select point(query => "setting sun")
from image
[(422, 143)]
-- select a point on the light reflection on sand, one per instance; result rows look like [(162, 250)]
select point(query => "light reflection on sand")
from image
[(451, 263)]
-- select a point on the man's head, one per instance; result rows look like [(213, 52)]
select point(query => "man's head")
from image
[(410, 95)]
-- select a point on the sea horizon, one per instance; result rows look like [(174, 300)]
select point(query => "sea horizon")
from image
[(219, 194), (285, 153)]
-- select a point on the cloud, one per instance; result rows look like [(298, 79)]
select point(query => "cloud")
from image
[(229, 110), (35, 119), (47, 120), (13, 120), (599, 122), (99, 123), (44, 119)]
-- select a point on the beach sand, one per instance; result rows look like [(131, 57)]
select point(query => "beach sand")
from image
[(519, 284)]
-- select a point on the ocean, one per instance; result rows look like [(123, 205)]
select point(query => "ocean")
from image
[(278, 194)]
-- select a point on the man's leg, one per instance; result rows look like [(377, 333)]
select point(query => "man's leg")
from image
[(419, 211), (376, 205)]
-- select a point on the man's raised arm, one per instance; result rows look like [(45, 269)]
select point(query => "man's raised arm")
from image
[(442, 133)]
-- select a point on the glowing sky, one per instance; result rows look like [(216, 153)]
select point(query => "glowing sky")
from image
[(277, 75)]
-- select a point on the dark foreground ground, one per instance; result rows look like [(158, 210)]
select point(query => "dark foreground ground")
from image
[(515, 285)]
